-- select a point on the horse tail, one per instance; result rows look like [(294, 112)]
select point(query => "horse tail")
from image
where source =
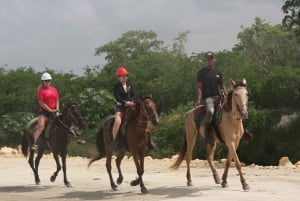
[(24, 144), (100, 147), (181, 155)]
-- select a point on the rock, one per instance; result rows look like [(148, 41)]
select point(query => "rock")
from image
[(297, 164), (285, 162), (148, 158), (8, 151)]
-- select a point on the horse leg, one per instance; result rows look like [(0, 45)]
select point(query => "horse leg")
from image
[(227, 166), (139, 164), (37, 162), (118, 163), (211, 148), (58, 167), (31, 163), (141, 173), (239, 168), (191, 140), (108, 168), (64, 167)]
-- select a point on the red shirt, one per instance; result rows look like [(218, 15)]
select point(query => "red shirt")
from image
[(49, 96)]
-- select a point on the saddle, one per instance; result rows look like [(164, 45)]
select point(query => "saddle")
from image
[(31, 125), (199, 118)]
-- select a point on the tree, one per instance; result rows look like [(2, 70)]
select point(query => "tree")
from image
[(291, 9), (266, 47), (167, 73)]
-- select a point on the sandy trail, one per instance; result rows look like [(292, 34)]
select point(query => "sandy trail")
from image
[(266, 183)]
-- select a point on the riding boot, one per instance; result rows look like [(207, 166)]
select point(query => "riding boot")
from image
[(151, 144), (247, 136), (208, 136)]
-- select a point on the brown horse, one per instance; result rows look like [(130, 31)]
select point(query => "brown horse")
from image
[(135, 140), (231, 130), (57, 142)]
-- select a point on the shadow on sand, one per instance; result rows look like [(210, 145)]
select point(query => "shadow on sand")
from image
[(161, 192), (23, 189)]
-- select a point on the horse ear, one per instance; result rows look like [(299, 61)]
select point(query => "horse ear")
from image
[(150, 96), (244, 81), (233, 83)]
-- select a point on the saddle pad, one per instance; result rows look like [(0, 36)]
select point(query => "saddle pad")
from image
[(199, 116)]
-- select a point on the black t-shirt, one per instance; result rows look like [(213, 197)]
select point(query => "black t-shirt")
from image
[(211, 80), (121, 96)]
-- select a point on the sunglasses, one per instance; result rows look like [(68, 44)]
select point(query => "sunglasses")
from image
[(47, 80)]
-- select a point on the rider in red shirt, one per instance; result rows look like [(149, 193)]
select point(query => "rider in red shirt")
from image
[(48, 99)]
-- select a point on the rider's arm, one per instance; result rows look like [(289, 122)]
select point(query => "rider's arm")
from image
[(118, 96), (223, 88), (199, 93)]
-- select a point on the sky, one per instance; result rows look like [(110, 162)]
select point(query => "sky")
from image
[(63, 34)]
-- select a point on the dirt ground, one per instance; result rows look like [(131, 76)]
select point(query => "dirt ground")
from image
[(266, 183)]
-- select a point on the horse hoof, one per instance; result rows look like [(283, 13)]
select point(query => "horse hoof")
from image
[(114, 188), (135, 182), (68, 184), (217, 181), (189, 183), (52, 178), (224, 185), (246, 187), (144, 190), (119, 180), (37, 182)]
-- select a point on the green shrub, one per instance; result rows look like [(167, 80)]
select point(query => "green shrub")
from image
[(11, 127)]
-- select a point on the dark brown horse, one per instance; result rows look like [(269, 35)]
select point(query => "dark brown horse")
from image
[(135, 140), (57, 142)]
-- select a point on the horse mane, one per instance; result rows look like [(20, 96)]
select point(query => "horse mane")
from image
[(134, 112), (227, 107)]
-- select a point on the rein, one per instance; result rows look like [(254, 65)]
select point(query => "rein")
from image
[(144, 113), (68, 128)]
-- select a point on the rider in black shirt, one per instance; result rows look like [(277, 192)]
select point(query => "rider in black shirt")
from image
[(125, 96), (209, 85)]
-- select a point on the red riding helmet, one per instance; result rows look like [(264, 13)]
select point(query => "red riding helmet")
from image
[(121, 71)]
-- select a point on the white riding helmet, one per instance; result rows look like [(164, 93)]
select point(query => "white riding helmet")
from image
[(46, 76)]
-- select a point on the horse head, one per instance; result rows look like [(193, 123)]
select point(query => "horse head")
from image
[(148, 107), (71, 110), (240, 98)]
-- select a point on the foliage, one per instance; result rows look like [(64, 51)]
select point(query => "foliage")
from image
[(95, 105), (170, 134), (266, 47), (291, 9), (280, 89), (11, 127)]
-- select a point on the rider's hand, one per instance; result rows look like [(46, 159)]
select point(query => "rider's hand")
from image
[(129, 104), (198, 102)]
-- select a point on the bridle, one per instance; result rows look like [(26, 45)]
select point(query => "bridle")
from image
[(144, 113), (239, 106), (72, 117)]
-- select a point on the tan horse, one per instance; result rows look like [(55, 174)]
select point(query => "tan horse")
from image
[(231, 130)]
